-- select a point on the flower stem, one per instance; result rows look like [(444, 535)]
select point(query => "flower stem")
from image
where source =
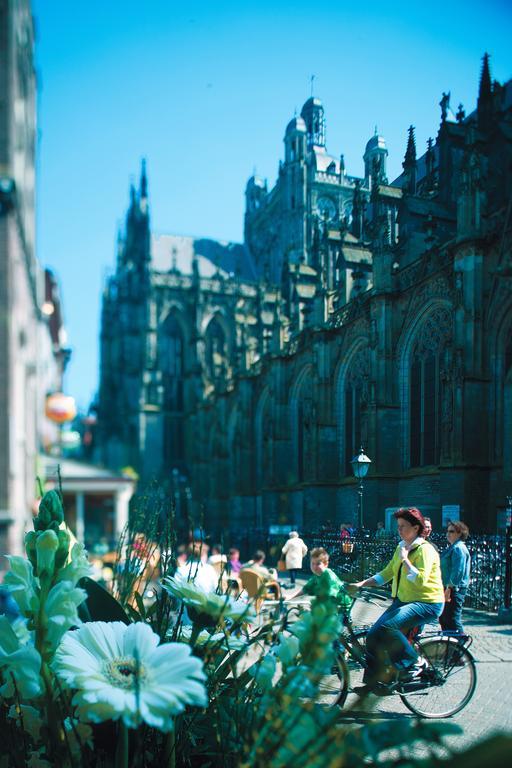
[(196, 629), (122, 746), (170, 750)]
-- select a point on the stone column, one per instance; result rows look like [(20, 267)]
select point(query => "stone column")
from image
[(121, 504), (80, 516)]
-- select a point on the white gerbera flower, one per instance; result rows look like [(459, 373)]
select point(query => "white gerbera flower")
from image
[(212, 607), (217, 640), (120, 671)]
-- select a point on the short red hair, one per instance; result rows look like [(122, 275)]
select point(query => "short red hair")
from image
[(413, 516)]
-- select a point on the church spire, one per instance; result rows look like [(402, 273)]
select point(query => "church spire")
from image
[(410, 152), (143, 180), (484, 91), (143, 188), (409, 163), (484, 103)]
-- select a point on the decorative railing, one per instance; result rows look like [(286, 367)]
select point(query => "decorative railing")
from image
[(364, 555)]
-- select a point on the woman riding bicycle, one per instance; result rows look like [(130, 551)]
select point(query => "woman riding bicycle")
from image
[(418, 598)]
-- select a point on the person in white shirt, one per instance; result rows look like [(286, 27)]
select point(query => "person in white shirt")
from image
[(197, 570)]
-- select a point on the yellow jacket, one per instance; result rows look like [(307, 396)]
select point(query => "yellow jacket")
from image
[(423, 584)]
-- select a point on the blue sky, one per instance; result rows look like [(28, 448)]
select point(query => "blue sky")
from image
[(204, 91)]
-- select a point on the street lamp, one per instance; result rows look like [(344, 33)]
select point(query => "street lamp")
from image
[(360, 466)]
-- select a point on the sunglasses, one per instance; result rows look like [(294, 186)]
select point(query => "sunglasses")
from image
[(451, 530)]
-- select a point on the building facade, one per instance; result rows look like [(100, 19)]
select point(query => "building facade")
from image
[(358, 312), (32, 353)]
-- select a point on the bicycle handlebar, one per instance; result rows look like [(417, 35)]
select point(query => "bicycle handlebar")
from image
[(365, 594)]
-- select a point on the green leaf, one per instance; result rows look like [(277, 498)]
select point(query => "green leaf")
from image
[(100, 605), (133, 613), (140, 605)]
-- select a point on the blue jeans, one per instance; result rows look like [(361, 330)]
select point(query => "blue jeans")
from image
[(451, 617), (386, 637)]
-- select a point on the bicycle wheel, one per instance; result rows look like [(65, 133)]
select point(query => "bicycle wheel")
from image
[(447, 685), (332, 688)]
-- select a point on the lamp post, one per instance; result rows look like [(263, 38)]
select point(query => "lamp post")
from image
[(360, 466)]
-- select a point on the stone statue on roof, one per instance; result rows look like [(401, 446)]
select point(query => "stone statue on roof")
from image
[(445, 105)]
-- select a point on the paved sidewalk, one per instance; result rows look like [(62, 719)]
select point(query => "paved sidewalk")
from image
[(490, 710)]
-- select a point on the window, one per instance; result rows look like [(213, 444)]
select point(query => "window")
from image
[(171, 364), (305, 416), (355, 400), (216, 350), (425, 389)]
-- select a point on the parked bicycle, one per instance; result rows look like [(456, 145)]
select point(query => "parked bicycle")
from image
[(444, 688)]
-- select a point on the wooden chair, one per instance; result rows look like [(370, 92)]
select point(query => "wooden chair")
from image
[(227, 582), (257, 587)]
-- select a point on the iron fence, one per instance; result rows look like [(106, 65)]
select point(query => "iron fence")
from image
[(364, 555)]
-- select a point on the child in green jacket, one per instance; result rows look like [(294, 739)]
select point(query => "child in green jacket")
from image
[(324, 584)]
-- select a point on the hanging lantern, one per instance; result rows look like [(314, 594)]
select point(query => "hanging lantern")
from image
[(60, 408)]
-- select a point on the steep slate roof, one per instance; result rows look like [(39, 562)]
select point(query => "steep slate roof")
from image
[(212, 256)]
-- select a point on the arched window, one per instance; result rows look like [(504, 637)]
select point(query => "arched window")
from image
[(216, 350), (425, 388), (171, 364), (355, 400), (304, 429)]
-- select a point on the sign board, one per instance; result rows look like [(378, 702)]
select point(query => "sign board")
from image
[(450, 512), (389, 520), (504, 519), (276, 530)]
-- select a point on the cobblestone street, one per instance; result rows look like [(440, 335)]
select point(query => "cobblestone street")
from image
[(490, 709)]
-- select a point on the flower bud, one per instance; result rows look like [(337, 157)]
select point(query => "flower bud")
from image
[(63, 550), (50, 508), (46, 547), (30, 547), (44, 516)]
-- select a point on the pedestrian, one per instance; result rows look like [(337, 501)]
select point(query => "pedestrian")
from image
[(455, 569), (216, 556), (197, 569), (294, 550), (428, 531), (234, 564), (346, 532), (268, 575), (380, 533)]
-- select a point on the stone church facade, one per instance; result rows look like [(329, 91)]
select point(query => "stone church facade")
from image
[(358, 311)]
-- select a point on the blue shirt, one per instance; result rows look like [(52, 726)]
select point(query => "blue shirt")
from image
[(456, 565)]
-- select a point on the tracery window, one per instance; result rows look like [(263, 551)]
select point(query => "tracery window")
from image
[(425, 388), (355, 400), (216, 350), (171, 364), (305, 430)]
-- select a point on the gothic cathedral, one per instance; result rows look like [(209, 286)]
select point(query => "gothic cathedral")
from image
[(358, 312)]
